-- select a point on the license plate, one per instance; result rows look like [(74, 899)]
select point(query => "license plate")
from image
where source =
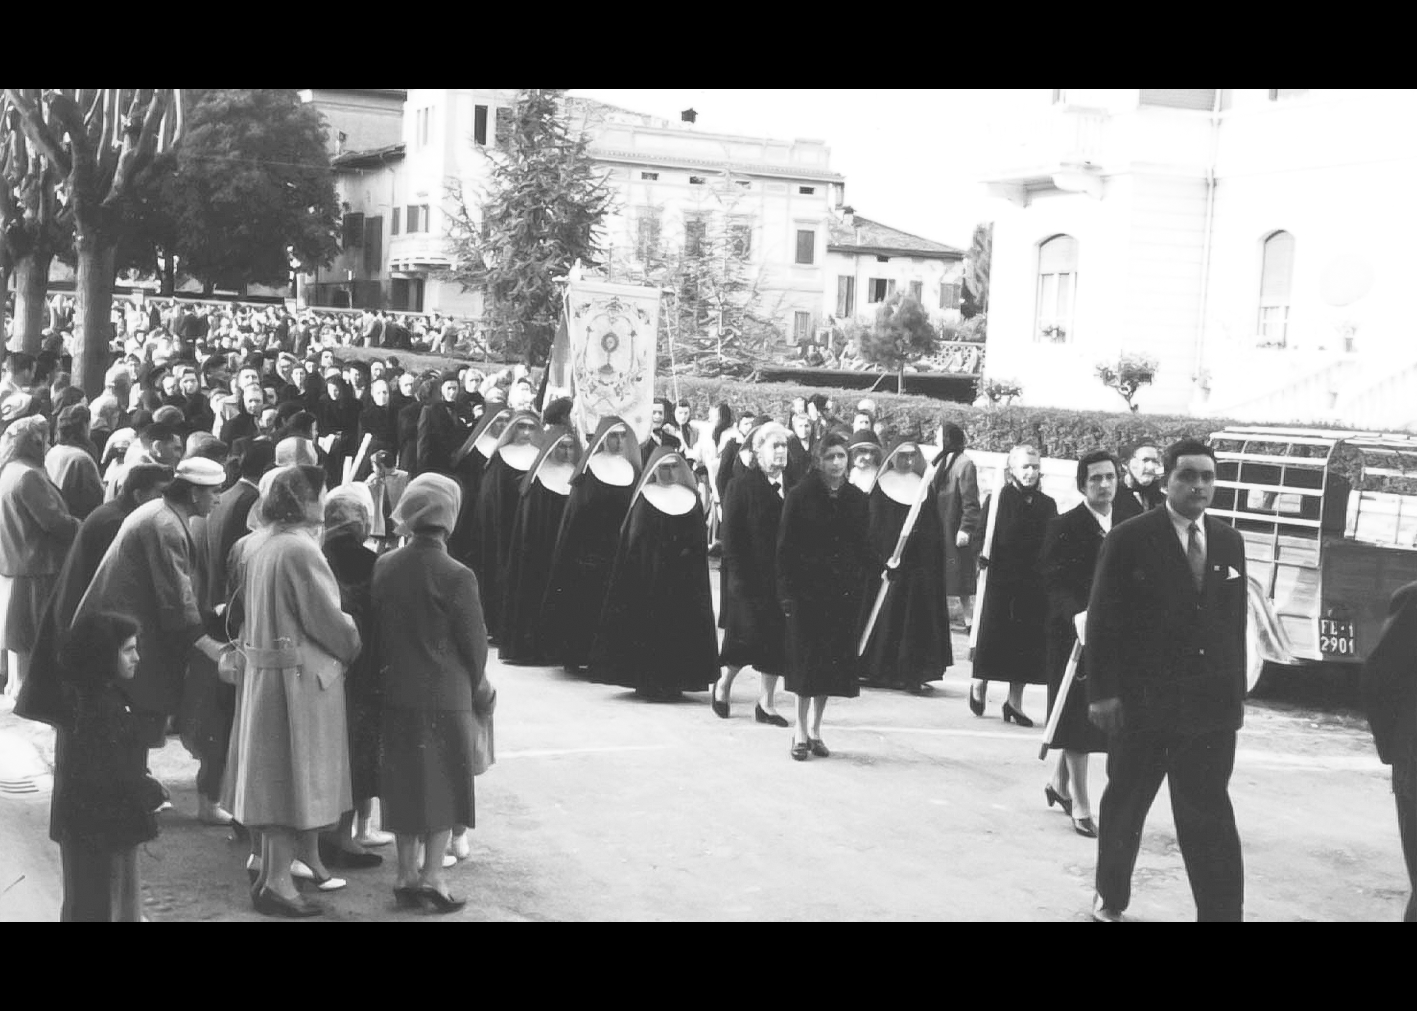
[(1336, 638)]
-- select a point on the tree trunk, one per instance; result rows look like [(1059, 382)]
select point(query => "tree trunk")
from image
[(92, 313), (207, 287), (31, 310), (169, 275), (900, 380)]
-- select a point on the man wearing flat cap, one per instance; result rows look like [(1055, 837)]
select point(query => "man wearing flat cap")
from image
[(147, 575)]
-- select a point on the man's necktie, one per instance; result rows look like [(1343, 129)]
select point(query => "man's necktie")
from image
[(1195, 557), (777, 487)]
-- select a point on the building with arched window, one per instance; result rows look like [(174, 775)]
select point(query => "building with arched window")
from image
[(1254, 243)]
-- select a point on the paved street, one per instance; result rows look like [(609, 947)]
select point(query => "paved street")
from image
[(602, 806)]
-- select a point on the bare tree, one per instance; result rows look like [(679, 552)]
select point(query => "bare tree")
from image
[(32, 228), (98, 140)]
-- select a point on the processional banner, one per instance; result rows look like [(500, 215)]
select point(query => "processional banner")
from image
[(612, 331)]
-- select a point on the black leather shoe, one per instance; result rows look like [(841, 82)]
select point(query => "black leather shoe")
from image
[(720, 709), (408, 898), (440, 903), (818, 748), (1010, 713), (1085, 827), (775, 719), (268, 903), (799, 751), (976, 703), (1054, 797)]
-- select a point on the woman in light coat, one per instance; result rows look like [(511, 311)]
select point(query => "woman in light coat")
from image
[(292, 769), (36, 530)]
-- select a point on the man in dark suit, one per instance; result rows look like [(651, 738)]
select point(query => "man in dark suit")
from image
[(1141, 488), (661, 412), (1390, 696), (1165, 639)]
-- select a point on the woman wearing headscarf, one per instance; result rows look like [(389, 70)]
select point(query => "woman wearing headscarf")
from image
[(440, 431), (910, 642), (516, 450), (36, 530), (753, 625), (469, 465), (292, 767), (823, 559), (542, 503), (956, 490), (602, 486), (431, 662), (72, 465), (338, 417), (312, 391), (104, 802), (419, 394), (379, 425), (347, 520), (656, 632)]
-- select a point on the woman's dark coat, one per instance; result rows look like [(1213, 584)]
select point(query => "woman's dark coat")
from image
[(1011, 641), (753, 622), (1069, 559), (353, 567), (823, 560)]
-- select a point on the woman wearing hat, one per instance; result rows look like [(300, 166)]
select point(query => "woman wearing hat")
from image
[(292, 775), (431, 664), (36, 530), (865, 451), (909, 643), (71, 465), (601, 488), (656, 630)]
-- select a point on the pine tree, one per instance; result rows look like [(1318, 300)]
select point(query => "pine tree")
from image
[(902, 335), (716, 323), (543, 210)]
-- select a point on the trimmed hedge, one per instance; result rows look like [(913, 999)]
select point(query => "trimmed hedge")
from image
[(1055, 432)]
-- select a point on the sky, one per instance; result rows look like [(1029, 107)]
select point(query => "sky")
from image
[(911, 158)]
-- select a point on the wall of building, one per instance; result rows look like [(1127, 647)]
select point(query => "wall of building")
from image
[(929, 272), (368, 121)]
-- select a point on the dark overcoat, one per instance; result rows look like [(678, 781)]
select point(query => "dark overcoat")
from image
[(823, 559), (753, 623), (1070, 551), (1011, 642), (957, 498)]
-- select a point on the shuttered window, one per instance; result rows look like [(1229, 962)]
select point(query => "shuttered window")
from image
[(647, 235), (353, 231), (949, 295), (1057, 288), (1179, 98), (801, 326), (806, 246), (1276, 281), (394, 221), (479, 125), (845, 296), (694, 230), (917, 291)]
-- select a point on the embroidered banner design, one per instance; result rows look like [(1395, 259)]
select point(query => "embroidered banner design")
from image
[(612, 330)]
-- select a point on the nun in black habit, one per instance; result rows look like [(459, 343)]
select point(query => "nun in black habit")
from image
[(910, 642), (656, 629), (751, 616), (497, 497), (601, 489), (544, 491), (469, 464)]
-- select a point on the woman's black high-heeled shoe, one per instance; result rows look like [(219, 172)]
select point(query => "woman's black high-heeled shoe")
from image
[(269, 903), (441, 903), (408, 898), (1010, 713), (1054, 797), (720, 709), (1085, 827), (775, 719), (976, 703)]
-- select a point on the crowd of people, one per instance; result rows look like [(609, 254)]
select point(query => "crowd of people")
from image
[(300, 564)]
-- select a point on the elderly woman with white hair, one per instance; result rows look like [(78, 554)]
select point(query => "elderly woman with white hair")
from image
[(753, 623), (431, 671), (36, 530)]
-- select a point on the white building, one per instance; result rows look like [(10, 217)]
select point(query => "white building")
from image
[(867, 262), (669, 180), (1253, 241)]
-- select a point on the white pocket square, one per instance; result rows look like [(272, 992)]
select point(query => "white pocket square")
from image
[(1232, 573)]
